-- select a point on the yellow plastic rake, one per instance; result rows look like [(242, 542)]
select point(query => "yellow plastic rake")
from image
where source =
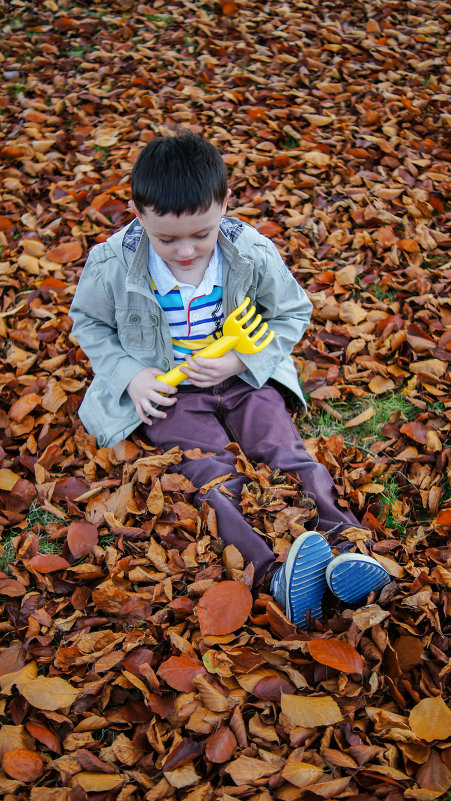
[(235, 335)]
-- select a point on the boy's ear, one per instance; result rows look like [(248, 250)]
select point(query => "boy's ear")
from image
[(226, 200), (133, 208)]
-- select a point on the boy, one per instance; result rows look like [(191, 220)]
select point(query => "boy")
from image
[(159, 289)]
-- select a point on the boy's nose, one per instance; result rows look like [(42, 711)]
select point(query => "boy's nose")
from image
[(186, 249)]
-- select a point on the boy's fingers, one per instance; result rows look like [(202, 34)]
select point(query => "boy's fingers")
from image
[(163, 401)]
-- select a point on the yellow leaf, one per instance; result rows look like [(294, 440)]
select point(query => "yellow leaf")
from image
[(310, 712), (350, 312), (371, 487), (246, 770), (430, 719), (53, 397), (301, 774), (317, 158), (379, 385), (96, 782), (18, 677), (8, 479), (347, 275), (318, 119), (390, 565), (182, 777), (49, 693), (155, 500), (363, 417)]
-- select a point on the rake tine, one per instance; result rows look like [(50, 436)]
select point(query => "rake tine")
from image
[(265, 342), (253, 324), (259, 333), (246, 316), (233, 315)]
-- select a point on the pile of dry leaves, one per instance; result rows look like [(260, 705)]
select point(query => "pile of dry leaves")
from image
[(136, 663)]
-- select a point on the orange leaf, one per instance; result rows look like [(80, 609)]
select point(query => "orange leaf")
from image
[(6, 224), (224, 607), (67, 251), (24, 406), (180, 671), (82, 537), (47, 562), (336, 654), (44, 735), (268, 228), (409, 245), (24, 765), (415, 431)]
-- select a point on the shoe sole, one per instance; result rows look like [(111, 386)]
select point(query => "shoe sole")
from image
[(305, 570), (351, 576)]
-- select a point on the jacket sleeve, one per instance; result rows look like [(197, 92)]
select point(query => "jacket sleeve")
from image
[(94, 327), (286, 308)]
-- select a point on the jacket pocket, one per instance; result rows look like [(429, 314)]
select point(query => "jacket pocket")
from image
[(136, 328)]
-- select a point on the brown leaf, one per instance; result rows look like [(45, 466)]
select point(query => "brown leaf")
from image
[(64, 253), (180, 671), (185, 751), (224, 607), (221, 745), (82, 537), (24, 406), (336, 654), (47, 562)]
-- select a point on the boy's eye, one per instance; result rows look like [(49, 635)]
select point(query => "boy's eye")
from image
[(165, 241), (202, 236)]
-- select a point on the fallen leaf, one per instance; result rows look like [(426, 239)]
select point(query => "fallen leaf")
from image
[(224, 607), (310, 712), (430, 719), (19, 763), (336, 654)]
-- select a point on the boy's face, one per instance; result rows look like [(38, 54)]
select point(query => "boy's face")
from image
[(185, 243)]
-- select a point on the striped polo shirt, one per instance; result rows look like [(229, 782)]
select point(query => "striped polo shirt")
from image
[(195, 314)]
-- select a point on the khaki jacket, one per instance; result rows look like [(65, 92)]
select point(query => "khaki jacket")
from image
[(122, 328)]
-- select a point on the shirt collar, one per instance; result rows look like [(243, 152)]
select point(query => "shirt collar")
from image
[(165, 281)]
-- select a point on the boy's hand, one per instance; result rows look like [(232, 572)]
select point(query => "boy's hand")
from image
[(144, 389), (209, 372)]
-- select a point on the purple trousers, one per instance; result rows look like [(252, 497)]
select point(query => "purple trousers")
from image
[(257, 419)]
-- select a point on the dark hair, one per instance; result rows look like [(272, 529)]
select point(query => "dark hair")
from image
[(179, 175)]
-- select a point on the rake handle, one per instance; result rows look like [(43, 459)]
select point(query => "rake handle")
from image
[(212, 351)]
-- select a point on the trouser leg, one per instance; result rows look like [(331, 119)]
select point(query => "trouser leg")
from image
[(260, 422), (192, 423)]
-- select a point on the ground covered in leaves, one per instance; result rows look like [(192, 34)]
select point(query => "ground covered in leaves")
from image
[(122, 676)]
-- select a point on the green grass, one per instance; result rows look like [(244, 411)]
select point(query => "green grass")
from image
[(383, 294), (386, 406), (37, 519), (392, 493)]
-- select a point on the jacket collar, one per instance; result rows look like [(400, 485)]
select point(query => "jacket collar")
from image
[(131, 244)]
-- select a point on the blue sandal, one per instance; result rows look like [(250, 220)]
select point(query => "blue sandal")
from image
[(300, 583), (351, 576)]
